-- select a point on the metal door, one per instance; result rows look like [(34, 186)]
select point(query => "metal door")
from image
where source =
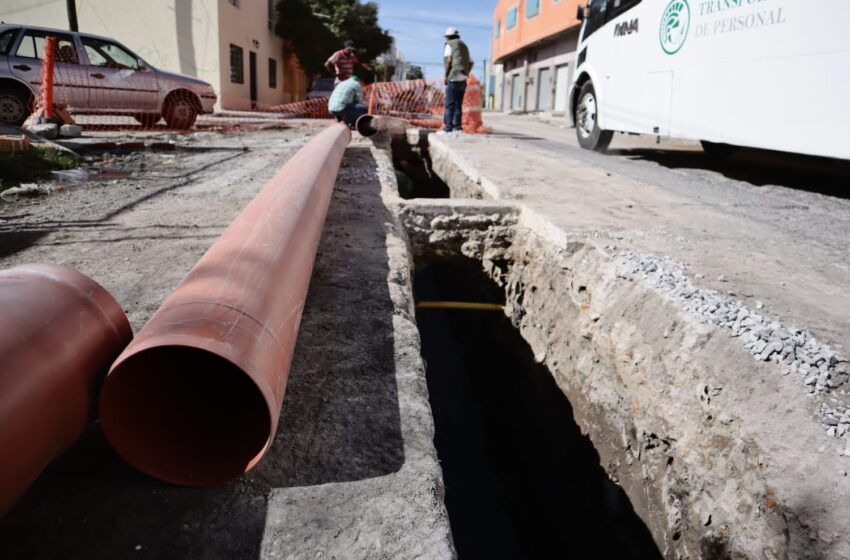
[(516, 93), (252, 77), (544, 90), (562, 90), (69, 85)]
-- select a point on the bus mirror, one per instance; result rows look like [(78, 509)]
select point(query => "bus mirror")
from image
[(580, 13)]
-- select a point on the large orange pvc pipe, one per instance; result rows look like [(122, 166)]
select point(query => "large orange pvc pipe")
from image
[(195, 399), (59, 332)]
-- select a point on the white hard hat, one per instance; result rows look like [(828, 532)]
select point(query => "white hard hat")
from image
[(451, 31)]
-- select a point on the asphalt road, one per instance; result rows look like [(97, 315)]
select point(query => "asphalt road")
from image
[(812, 194)]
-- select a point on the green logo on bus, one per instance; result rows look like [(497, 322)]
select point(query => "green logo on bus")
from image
[(674, 26)]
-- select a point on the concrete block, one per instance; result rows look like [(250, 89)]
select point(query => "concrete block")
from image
[(47, 130), (70, 131)]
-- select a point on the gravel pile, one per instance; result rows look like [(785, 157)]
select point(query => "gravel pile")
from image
[(821, 370)]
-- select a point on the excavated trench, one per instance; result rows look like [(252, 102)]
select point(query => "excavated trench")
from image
[(521, 479), (585, 417)]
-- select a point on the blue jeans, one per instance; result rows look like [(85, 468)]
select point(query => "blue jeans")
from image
[(454, 106), (351, 113)]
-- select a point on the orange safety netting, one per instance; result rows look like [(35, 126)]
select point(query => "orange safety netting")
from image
[(420, 102), (106, 87)]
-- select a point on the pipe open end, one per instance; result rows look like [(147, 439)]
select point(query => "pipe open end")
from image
[(185, 416), (365, 125)]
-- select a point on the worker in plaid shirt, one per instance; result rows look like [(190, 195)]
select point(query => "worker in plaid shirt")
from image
[(346, 101)]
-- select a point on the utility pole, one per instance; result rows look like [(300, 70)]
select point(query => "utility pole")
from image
[(72, 15)]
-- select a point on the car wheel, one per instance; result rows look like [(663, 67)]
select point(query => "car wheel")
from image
[(180, 112), (15, 106), (590, 136), (718, 151), (147, 120)]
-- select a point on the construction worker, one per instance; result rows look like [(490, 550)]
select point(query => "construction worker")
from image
[(346, 101), (343, 62), (458, 65)]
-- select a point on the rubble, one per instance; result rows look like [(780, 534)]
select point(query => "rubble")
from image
[(822, 371)]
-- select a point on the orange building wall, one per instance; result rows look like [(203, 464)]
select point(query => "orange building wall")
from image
[(553, 17)]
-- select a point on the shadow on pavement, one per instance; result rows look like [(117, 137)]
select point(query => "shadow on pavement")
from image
[(340, 422), (759, 168)]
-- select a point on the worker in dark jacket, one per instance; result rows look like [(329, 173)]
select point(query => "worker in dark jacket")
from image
[(458, 65)]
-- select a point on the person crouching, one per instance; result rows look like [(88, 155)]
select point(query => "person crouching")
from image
[(346, 101)]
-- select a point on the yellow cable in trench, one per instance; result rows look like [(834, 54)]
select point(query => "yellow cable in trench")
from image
[(468, 306)]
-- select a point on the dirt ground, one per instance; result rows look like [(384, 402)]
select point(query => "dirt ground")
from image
[(352, 473)]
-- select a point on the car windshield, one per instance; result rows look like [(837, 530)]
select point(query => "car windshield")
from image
[(110, 55), (324, 84)]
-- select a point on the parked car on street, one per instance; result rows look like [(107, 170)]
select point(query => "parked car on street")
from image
[(322, 87), (94, 76)]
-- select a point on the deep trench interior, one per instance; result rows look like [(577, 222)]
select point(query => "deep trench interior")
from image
[(521, 479), (413, 170)]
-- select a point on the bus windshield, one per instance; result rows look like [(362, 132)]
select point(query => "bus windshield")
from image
[(596, 12)]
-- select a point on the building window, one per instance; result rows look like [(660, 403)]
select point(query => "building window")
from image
[(532, 8), (271, 15), (237, 69), (272, 73), (498, 28), (510, 18)]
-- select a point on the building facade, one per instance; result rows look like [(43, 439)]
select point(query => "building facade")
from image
[(229, 43), (395, 67), (534, 51)]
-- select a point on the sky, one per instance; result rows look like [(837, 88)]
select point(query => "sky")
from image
[(418, 28)]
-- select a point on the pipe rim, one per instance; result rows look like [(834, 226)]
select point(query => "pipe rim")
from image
[(186, 459)]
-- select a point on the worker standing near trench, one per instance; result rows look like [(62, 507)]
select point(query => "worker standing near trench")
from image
[(343, 62), (458, 65)]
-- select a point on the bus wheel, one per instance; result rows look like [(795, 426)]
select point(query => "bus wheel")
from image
[(718, 151), (590, 136)]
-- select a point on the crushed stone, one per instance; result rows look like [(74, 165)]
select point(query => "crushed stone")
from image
[(822, 371)]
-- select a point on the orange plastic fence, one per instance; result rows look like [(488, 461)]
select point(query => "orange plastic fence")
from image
[(104, 87), (420, 102)]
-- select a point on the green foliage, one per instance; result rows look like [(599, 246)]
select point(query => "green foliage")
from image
[(35, 163), (317, 28), (414, 73)]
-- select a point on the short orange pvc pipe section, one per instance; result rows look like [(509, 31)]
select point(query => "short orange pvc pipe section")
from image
[(59, 332), (195, 399)]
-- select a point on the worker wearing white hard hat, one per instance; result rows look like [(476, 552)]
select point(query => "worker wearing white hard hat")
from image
[(458, 65)]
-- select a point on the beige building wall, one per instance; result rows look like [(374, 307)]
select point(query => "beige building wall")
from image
[(191, 37), (245, 24)]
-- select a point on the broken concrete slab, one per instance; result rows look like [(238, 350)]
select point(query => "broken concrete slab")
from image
[(70, 131), (45, 130)]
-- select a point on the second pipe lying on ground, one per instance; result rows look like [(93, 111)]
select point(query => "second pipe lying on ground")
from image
[(195, 399)]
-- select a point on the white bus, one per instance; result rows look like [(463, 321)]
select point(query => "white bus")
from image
[(771, 74)]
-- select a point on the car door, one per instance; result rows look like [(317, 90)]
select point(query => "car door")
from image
[(69, 83), (120, 81)]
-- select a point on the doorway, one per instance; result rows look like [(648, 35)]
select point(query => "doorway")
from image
[(252, 77)]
